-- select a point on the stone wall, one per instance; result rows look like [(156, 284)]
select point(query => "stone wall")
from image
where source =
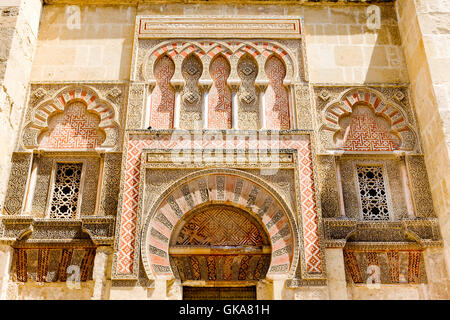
[(19, 23), (426, 37), (339, 46)]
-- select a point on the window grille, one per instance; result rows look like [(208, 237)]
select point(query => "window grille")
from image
[(372, 193), (64, 202)]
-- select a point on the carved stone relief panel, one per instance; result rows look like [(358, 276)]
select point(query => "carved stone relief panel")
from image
[(42, 187), (163, 95), (21, 165), (365, 119), (247, 69), (328, 188), (303, 107), (276, 95), (136, 106), (111, 184), (191, 97), (158, 180), (74, 115), (75, 128), (89, 196), (420, 187), (219, 98)]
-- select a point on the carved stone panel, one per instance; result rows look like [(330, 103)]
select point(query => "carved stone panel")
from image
[(191, 97), (21, 165), (111, 184), (163, 95), (74, 115), (369, 118), (219, 98), (276, 96), (420, 187), (303, 107), (328, 188), (136, 106), (247, 69), (42, 187), (89, 196)]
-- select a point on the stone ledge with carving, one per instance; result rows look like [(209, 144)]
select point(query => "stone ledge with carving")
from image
[(417, 232), (98, 230)]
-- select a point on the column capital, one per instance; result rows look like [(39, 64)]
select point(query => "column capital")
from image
[(205, 85)]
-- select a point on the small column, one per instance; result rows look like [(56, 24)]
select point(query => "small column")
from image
[(292, 115), (235, 107), (100, 184), (339, 185), (148, 105), (177, 107), (102, 280), (6, 258), (205, 88), (262, 106), (406, 187)]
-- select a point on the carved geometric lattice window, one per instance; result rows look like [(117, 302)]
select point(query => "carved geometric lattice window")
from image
[(64, 202), (372, 193)]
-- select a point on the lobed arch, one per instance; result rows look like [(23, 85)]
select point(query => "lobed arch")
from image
[(356, 98), (58, 104), (229, 187), (206, 50)]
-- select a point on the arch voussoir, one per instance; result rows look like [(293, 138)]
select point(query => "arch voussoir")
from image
[(226, 188)]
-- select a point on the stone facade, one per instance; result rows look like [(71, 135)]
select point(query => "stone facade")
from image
[(293, 149)]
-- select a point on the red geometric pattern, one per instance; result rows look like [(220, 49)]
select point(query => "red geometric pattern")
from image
[(368, 122), (135, 145), (276, 96), (73, 129), (163, 96), (364, 134), (219, 106)]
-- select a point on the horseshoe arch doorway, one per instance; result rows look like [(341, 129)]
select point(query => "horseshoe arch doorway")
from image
[(219, 251)]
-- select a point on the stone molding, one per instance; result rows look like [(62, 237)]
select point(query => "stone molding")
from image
[(218, 27)]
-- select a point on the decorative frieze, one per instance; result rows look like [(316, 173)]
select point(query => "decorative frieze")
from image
[(218, 27)]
